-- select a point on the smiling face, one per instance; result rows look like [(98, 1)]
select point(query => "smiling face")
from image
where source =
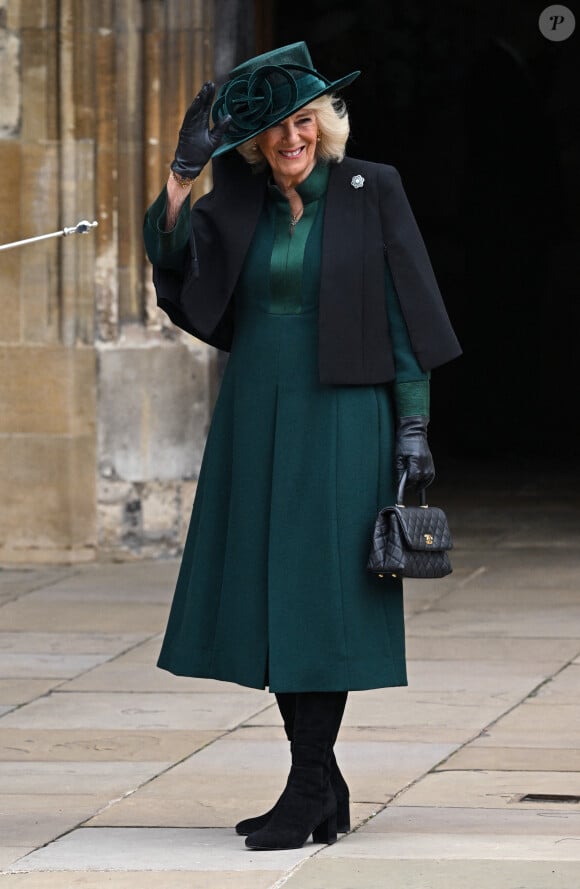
[(290, 147)]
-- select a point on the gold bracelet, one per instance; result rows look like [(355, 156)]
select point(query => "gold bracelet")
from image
[(182, 181)]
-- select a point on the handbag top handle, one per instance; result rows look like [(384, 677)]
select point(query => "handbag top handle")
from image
[(401, 492)]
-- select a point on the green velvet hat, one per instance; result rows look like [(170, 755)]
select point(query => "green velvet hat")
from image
[(267, 89)]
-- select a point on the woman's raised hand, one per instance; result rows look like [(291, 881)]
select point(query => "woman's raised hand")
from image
[(197, 142)]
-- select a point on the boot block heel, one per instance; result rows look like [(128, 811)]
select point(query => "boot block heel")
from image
[(343, 816), (325, 832)]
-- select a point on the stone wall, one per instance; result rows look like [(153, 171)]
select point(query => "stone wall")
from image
[(104, 406)]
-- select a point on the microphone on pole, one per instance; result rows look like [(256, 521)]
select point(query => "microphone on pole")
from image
[(81, 228)]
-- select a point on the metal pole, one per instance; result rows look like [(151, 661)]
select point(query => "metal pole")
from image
[(81, 228)]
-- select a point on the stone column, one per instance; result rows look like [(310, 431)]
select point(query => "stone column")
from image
[(104, 406), (47, 357)]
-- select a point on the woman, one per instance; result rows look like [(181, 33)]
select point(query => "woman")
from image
[(308, 267)]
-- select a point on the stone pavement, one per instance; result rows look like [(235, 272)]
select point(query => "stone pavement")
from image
[(115, 774)]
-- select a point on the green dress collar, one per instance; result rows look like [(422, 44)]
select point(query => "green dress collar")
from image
[(312, 189)]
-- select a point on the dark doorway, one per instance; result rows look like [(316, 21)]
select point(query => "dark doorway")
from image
[(479, 112)]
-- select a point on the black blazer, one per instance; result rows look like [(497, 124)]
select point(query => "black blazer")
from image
[(362, 227)]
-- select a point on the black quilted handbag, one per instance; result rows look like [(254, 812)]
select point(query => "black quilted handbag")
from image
[(411, 541)]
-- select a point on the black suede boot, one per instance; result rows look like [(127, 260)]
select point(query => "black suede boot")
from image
[(287, 705), (308, 804)]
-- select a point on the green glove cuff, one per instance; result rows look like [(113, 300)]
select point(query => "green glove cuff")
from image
[(412, 398)]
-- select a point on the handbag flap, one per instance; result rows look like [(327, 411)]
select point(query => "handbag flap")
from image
[(425, 528)]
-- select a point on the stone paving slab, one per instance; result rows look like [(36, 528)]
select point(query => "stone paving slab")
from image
[(217, 810), (441, 821), (502, 593), (123, 592), (147, 652), (234, 778), (563, 689), (387, 766), (504, 651), (441, 726), (242, 769), (21, 691), (9, 855), (556, 621), (194, 879), (475, 676), (99, 745), (204, 795), (456, 846), (421, 595), (565, 536), (535, 567), (48, 666), (128, 676), (465, 564), (138, 711), (70, 643), (347, 733), (144, 581), (490, 790), (73, 778), (402, 710), (432, 873), (535, 723), (19, 581), (159, 849), (34, 821), (193, 809), (513, 759), (81, 616)]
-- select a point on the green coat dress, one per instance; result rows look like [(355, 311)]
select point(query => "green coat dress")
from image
[(273, 588)]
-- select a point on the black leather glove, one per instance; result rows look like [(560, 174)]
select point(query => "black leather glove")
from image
[(412, 453), (197, 142)]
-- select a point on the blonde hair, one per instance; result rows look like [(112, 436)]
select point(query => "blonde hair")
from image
[(333, 128)]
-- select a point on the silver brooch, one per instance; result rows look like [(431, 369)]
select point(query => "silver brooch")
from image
[(357, 181)]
